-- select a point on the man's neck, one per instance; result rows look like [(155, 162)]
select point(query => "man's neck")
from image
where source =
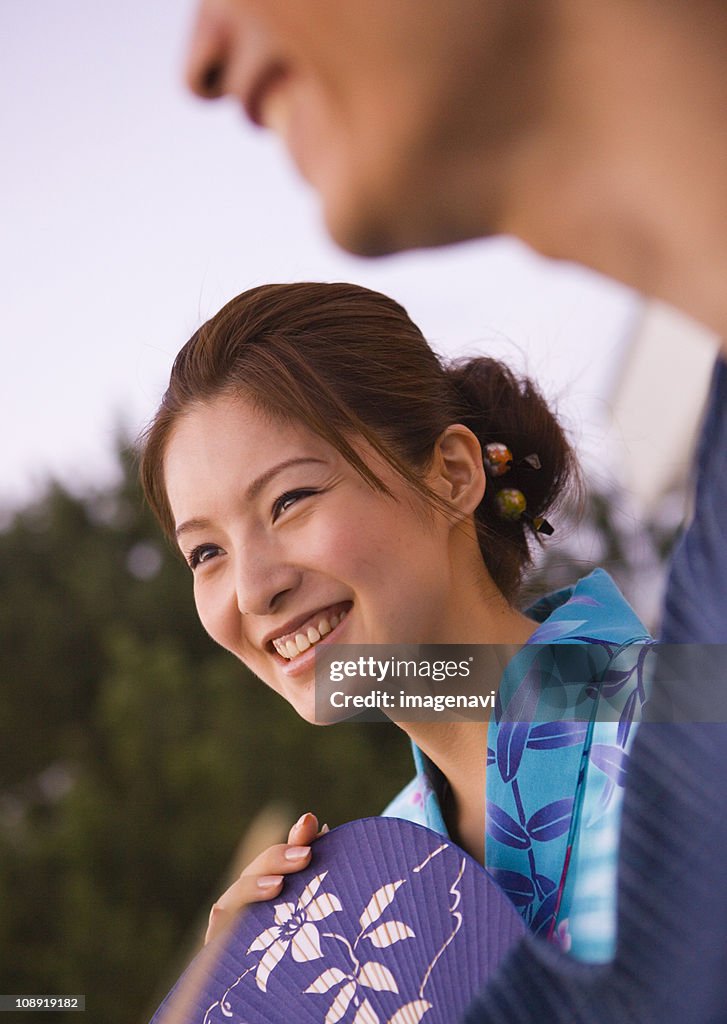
[(628, 173)]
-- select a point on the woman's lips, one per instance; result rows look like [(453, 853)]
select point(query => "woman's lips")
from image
[(309, 631), (303, 661)]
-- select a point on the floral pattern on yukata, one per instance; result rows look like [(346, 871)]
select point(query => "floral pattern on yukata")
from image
[(564, 720), (537, 769)]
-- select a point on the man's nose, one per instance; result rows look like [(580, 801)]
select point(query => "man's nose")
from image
[(210, 48)]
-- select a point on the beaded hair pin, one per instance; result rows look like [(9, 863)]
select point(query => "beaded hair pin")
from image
[(510, 501)]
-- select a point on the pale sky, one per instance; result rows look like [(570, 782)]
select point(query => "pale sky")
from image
[(131, 212)]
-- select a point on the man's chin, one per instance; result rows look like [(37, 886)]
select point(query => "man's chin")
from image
[(362, 235), (378, 229)]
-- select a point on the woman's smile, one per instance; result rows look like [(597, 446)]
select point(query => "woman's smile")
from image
[(292, 549), (302, 662), (296, 640)]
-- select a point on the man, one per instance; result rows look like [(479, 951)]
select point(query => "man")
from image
[(594, 131)]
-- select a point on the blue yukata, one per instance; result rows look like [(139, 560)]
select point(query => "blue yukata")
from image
[(554, 785)]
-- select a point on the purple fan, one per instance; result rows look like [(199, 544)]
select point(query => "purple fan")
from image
[(389, 924)]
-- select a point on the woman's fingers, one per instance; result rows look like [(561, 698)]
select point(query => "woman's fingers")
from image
[(305, 830), (247, 889), (281, 859), (261, 880)]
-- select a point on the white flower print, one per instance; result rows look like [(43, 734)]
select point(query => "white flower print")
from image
[(371, 975), (295, 927), (348, 972)]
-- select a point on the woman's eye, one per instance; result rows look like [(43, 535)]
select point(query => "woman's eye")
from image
[(202, 553), (285, 501)]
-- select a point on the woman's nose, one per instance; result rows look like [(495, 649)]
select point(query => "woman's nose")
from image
[(261, 585)]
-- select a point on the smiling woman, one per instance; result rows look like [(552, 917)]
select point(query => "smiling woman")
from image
[(291, 547), (329, 480)]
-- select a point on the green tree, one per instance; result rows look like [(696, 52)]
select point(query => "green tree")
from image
[(135, 753)]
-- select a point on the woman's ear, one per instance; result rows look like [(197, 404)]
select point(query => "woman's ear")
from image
[(457, 473)]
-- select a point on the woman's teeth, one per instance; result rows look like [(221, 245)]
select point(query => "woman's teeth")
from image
[(294, 646)]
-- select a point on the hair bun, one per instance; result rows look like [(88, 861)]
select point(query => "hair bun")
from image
[(502, 408)]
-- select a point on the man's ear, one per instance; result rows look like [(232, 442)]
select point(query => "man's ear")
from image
[(457, 472)]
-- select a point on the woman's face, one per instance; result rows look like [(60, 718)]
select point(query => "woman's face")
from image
[(291, 548)]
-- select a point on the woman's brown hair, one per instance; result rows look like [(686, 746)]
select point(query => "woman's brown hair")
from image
[(348, 362)]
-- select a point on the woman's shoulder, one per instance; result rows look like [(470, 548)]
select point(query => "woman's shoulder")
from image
[(592, 609)]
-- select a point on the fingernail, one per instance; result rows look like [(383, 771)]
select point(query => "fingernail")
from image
[(301, 819), (324, 829), (269, 881), (297, 852)]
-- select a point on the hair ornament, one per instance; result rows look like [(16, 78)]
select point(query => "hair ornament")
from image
[(497, 458), (541, 525), (511, 505)]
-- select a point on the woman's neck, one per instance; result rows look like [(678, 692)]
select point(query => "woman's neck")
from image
[(459, 748), (477, 613)]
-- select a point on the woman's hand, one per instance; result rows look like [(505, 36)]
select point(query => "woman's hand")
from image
[(262, 879)]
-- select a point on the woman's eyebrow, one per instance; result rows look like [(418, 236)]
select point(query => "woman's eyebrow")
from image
[(252, 491), (264, 479)]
